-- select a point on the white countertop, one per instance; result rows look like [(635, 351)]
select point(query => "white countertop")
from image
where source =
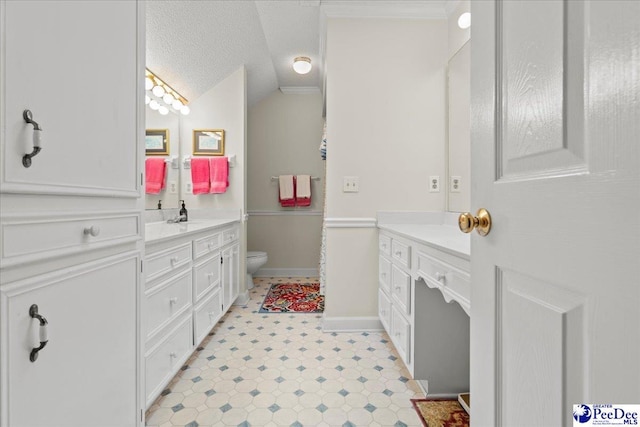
[(443, 237), (157, 231), (437, 229)]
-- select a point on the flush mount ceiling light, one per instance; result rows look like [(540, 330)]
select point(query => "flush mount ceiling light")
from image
[(163, 97), (302, 65), (464, 21)]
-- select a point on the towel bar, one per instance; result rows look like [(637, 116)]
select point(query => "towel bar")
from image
[(313, 178)]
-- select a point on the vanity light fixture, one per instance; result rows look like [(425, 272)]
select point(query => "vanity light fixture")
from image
[(162, 97), (302, 65), (464, 21)]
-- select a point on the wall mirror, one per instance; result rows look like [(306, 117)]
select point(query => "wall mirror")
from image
[(459, 130), (169, 196)]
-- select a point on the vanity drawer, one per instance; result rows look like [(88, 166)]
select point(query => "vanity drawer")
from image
[(384, 245), (167, 261), (206, 315), (230, 235), (166, 301), (401, 253), (164, 360), (384, 273), (445, 276), (206, 245), (206, 276), (401, 335), (401, 289), (26, 239), (384, 310)]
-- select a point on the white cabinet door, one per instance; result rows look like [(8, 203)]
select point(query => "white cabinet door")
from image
[(74, 65), (555, 125), (86, 373)]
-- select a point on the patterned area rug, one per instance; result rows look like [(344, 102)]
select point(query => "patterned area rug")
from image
[(441, 412), (293, 298)]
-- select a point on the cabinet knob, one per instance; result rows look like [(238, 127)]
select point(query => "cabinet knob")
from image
[(383, 274), (440, 277), (173, 300), (173, 355), (398, 288), (398, 253), (93, 231), (174, 259)]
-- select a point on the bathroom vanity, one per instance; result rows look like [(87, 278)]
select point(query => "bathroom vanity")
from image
[(192, 276), (424, 296)]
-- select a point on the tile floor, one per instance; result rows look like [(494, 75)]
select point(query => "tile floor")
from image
[(258, 369)]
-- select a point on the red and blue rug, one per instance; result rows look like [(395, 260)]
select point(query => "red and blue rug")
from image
[(293, 298)]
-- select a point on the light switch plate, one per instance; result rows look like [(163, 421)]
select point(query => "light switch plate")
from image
[(173, 187), (455, 184), (189, 187), (351, 184), (434, 184)]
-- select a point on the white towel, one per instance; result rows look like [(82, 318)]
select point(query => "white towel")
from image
[(303, 187), (286, 187)]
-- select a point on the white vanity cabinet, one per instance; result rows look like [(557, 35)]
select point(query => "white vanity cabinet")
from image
[(423, 268), (187, 292), (71, 239)]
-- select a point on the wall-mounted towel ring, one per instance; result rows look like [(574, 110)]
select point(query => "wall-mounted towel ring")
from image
[(37, 138)]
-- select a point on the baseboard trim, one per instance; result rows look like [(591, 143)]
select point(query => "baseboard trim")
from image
[(287, 272), (242, 299), (351, 324)]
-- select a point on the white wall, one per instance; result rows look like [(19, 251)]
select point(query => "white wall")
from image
[(284, 133), (386, 124), (222, 107)]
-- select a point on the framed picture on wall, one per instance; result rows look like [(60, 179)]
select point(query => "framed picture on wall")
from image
[(208, 142), (156, 142)]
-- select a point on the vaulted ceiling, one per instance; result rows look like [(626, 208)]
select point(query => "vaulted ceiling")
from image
[(195, 44)]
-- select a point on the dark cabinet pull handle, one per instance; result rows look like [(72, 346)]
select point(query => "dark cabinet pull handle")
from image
[(37, 138), (33, 312)]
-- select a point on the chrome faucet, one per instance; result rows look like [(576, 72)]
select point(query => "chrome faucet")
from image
[(177, 219)]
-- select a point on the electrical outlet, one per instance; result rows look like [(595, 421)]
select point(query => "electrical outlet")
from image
[(455, 184), (173, 187), (189, 187), (351, 184), (434, 184)]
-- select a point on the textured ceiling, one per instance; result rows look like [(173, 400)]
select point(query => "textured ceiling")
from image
[(195, 44)]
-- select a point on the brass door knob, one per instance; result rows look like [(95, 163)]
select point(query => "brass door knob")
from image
[(481, 222)]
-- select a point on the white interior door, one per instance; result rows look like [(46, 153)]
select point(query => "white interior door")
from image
[(555, 95)]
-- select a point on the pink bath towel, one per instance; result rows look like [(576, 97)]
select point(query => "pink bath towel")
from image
[(287, 191), (154, 168), (200, 175), (219, 174), (303, 190)]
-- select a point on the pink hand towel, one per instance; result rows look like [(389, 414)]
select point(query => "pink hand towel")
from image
[(219, 174), (200, 175), (154, 168), (287, 191), (303, 190)]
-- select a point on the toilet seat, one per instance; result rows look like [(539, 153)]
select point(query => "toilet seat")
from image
[(256, 254)]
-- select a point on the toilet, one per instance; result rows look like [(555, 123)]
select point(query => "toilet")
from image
[(255, 260)]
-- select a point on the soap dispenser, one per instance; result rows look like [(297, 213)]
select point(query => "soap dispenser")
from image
[(183, 213)]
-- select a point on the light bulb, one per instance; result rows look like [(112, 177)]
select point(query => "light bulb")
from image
[(154, 104), (464, 21), (302, 65), (158, 91), (168, 98), (185, 110), (147, 100), (177, 104), (163, 110), (148, 83)]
